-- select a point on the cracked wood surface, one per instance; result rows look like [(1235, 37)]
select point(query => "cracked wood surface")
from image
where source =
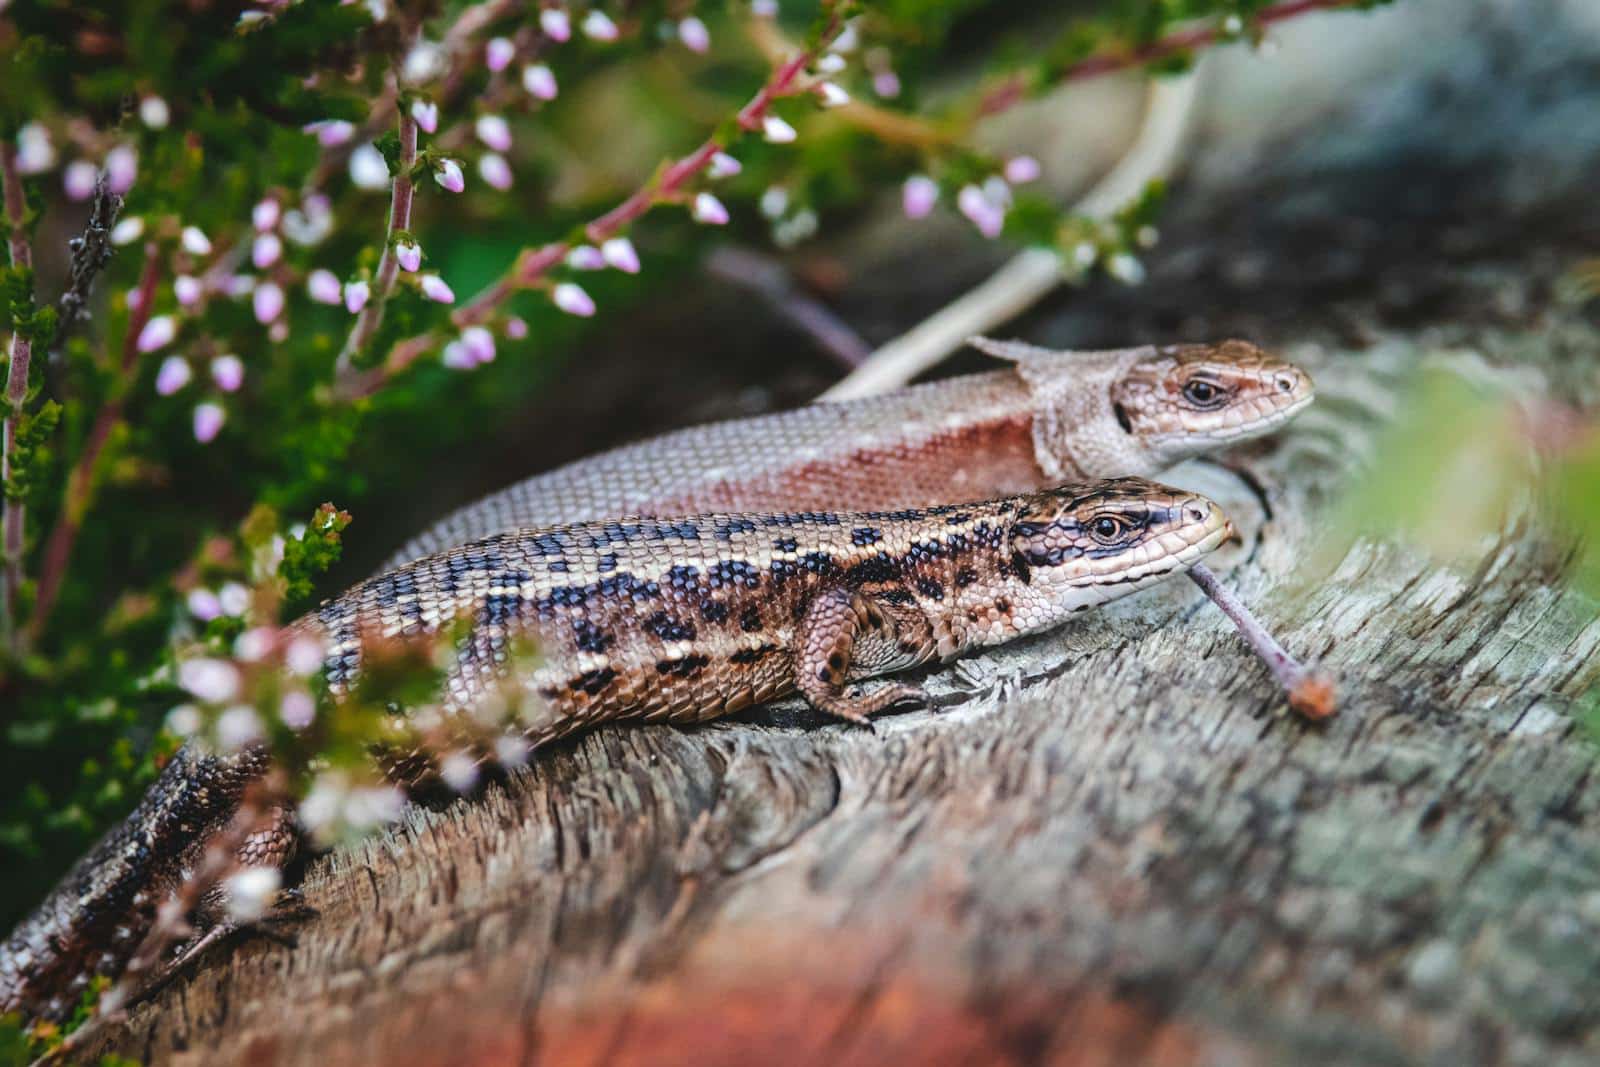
[(1104, 845)]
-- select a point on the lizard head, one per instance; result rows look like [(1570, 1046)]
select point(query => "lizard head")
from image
[(1182, 400), (1082, 545)]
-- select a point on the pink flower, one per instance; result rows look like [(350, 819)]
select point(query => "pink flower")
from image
[(228, 372), (368, 169), (498, 53), (494, 131), (434, 288), (332, 132), (267, 302), (456, 357), (157, 333), (356, 295), (709, 210), (188, 289), (77, 181), (266, 250), (764, 9), (323, 287), (203, 604), (122, 167), (694, 35), (495, 171), (586, 257), (598, 25), (127, 231), (240, 285), (918, 196), (173, 375), (980, 210), (830, 95), (516, 328), (724, 166), (776, 131), (832, 63), (297, 711), (886, 83), (573, 300), (195, 241), (449, 176), (426, 114), (539, 81), (479, 343), (555, 23), (264, 216), (620, 253), (1020, 170), (208, 420), (408, 254)]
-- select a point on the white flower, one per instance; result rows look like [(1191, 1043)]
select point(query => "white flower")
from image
[(709, 210), (495, 171), (918, 196), (227, 370), (694, 35), (499, 53), (1020, 170), (409, 255), (154, 113), (122, 167), (35, 153), (188, 289), (264, 216), (573, 300), (78, 179), (369, 806), (539, 81), (127, 231), (331, 132), (511, 750), (620, 253), (311, 225), (297, 709), (586, 257), (202, 603), (459, 771), (208, 420), (251, 892), (423, 63), (555, 23), (764, 9), (157, 333), (426, 114), (847, 40), (195, 241), (212, 680), (434, 288), (234, 598), (173, 375), (356, 295), (368, 169), (184, 720), (448, 175), (266, 250), (456, 357), (598, 25), (724, 166), (237, 727), (323, 286), (776, 131), (479, 343), (980, 210), (267, 302), (831, 95), (832, 63), (304, 656), (1125, 268), (494, 131)]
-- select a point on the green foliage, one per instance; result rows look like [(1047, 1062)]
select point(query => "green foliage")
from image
[(314, 551)]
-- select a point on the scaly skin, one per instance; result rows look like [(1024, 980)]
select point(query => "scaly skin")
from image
[(679, 621), (1051, 417)]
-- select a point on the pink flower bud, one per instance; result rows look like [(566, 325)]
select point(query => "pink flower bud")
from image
[(135, 299), (620, 253), (479, 343), (426, 114), (203, 604), (434, 288), (35, 152), (1020, 170), (980, 210), (724, 166), (830, 95), (598, 25), (127, 231), (304, 656), (408, 254), (918, 196), (240, 285), (886, 83), (195, 241), (298, 711), (356, 295), (332, 132), (264, 216), (368, 169), (555, 23), (122, 167), (709, 210), (498, 53), (539, 81), (586, 257), (188, 289), (456, 357), (832, 63), (77, 181), (764, 9), (173, 375), (449, 176), (573, 300), (228, 372), (776, 131), (208, 420), (494, 131), (157, 333), (266, 250), (267, 302), (495, 171), (516, 328), (323, 287), (694, 35)]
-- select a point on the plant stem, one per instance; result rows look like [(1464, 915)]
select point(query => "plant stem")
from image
[(371, 316), (12, 518), (80, 483)]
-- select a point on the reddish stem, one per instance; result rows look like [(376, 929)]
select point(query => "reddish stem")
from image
[(12, 519), (371, 316), (80, 483)]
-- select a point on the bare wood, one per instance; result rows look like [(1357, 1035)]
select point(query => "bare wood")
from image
[(1108, 845)]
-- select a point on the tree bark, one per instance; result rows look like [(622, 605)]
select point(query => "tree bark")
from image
[(1106, 845)]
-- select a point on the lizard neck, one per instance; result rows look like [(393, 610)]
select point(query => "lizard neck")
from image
[(1076, 432)]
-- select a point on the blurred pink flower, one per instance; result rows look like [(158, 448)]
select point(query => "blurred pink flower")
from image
[(173, 375), (694, 35), (494, 131), (267, 302), (918, 196), (356, 295), (323, 286), (228, 372), (78, 179), (449, 176), (1020, 170), (408, 254), (264, 216), (157, 333), (499, 53), (434, 288), (598, 25), (266, 250), (555, 23), (709, 210), (122, 167), (539, 81), (208, 420), (426, 114), (573, 300), (620, 253), (495, 171)]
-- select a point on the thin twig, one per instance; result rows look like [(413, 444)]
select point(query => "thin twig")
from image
[(773, 282), (1311, 692), (80, 483), (13, 519), (91, 251), (371, 316)]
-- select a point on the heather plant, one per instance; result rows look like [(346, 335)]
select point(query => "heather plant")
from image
[(270, 255)]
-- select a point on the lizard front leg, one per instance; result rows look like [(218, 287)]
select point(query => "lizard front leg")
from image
[(847, 633)]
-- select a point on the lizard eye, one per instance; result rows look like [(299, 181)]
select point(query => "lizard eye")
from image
[(1107, 529), (1203, 394)]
